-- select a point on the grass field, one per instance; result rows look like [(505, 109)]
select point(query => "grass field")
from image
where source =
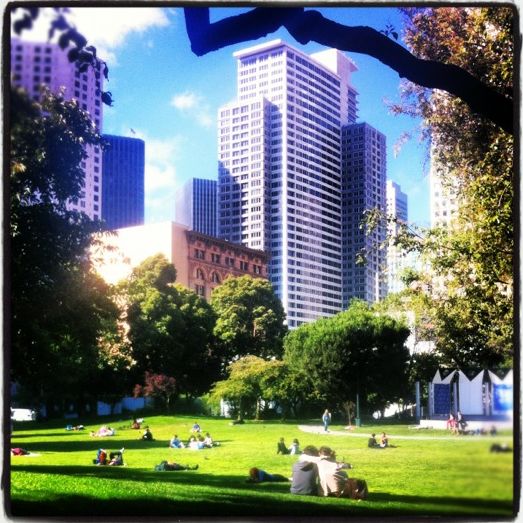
[(427, 474)]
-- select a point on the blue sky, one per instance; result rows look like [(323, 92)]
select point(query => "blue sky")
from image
[(170, 97)]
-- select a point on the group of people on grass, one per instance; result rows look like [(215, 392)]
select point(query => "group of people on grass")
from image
[(282, 448), (384, 441), (317, 472)]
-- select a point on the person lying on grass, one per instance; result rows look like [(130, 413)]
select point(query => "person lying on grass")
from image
[(257, 475), (171, 465), (104, 431)]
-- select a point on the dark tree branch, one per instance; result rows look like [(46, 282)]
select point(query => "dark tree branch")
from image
[(206, 37), (306, 26)]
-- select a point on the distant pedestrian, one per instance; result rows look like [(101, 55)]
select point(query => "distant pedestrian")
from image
[(326, 419)]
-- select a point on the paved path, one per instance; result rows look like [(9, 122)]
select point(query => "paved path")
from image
[(318, 429)]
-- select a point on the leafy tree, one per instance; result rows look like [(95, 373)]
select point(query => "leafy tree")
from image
[(170, 327), (471, 281), (355, 352), (158, 386), (250, 318), (251, 381), (59, 307)]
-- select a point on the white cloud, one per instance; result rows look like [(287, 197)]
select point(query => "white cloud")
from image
[(104, 27), (193, 105), (160, 174)]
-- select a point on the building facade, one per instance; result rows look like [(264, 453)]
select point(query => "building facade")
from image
[(397, 260), (196, 207), (364, 171), (279, 185), (202, 262), (443, 197), (34, 64), (123, 163)]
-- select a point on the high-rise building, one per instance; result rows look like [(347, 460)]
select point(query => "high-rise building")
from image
[(195, 205), (123, 182), (34, 64), (397, 260), (279, 186), (364, 171), (443, 197)]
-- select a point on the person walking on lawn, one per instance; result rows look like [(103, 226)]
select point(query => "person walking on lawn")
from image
[(326, 419)]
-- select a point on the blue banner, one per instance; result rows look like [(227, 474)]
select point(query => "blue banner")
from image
[(442, 398), (502, 394)]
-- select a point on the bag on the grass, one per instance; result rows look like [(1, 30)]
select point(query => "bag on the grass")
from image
[(357, 488)]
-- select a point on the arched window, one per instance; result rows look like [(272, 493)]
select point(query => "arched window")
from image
[(215, 278), (199, 274)]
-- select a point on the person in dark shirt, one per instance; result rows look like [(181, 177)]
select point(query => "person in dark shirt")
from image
[(282, 448), (372, 443), (305, 473)]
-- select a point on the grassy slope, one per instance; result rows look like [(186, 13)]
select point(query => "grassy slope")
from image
[(452, 477)]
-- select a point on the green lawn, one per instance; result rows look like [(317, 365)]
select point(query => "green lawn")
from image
[(456, 476)]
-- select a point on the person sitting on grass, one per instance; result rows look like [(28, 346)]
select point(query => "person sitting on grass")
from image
[(257, 475), (147, 435), (208, 442), (305, 474), (116, 458), (384, 441), (171, 465), (101, 457), (196, 427), (195, 444), (281, 447), (333, 478), (295, 447), (176, 443), (372, 443), (135, 424)]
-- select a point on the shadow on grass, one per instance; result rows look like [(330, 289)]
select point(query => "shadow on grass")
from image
[(93, 444), (230, 495)]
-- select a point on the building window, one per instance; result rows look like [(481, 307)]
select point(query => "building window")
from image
[(257, 269), (215, 278), (200, 290), (215, 258), (199, 254), (244, 266), (229, 262), (199, 274)]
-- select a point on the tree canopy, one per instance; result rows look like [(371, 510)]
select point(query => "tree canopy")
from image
[(59, 308), (170, 327), (470, 284), (250, 318), (355, 352)]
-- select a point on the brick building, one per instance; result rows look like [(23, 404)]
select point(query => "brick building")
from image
[(202, 262)]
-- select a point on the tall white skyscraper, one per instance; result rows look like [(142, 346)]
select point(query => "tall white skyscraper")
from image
[(397, 260), (279, 186), (34, 64)]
